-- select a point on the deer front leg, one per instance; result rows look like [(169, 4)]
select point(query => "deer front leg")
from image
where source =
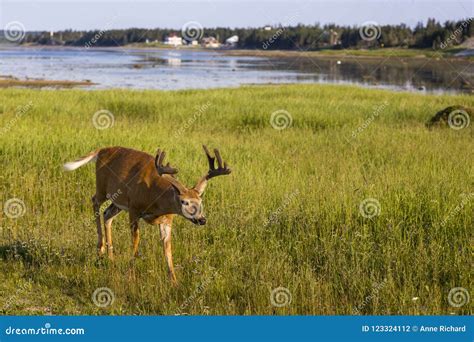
[(134, 217), (165, 231), (100, 238), (109, 214)]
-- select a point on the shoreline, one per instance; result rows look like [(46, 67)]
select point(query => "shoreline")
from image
[(366, 54), (414, 54), (397, 58), (13, 82)]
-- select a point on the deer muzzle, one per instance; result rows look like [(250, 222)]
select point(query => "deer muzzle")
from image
[(199, 221)]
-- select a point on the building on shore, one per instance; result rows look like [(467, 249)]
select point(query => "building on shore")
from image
[(173, 40), (232, 41), (210, 42)]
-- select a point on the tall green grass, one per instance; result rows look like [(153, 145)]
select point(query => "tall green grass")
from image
[(288, 216)]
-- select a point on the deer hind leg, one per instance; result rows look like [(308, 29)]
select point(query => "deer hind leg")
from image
[(109, 214), (165, 231), (96, 202), (134, 218)]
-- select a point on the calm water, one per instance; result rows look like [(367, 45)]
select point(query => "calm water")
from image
[(183, 69)]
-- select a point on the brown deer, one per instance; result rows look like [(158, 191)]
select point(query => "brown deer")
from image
[(139, 183)]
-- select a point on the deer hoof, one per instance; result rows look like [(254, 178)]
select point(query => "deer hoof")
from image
[(100, 250)]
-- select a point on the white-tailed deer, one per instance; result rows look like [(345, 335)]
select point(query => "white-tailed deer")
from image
[(139, 183)]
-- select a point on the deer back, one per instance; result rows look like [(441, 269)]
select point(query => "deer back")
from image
[(130, 179)]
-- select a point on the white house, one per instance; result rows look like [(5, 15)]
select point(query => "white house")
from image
[(210, 42), (193, 42), (173, 40), (232, 40)]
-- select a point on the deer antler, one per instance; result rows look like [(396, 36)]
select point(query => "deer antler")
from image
[(167, 169), (222, 169)]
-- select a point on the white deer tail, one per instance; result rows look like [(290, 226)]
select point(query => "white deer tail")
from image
[(81, 161)]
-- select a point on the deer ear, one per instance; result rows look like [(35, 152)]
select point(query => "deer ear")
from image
[(175, 184), (178, 190)]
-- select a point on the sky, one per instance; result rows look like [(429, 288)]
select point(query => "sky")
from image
[(53, 15)]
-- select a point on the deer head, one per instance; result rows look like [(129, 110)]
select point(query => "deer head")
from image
[(189, 201)]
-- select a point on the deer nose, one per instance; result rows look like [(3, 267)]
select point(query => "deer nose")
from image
[(201, 221)]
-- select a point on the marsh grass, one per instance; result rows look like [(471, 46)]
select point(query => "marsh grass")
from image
[(309, 178), (395, 53)]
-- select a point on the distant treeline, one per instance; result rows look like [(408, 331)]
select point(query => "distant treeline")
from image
[(433, 34)]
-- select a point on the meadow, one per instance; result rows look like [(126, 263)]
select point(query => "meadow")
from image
[(394, 53), (350, 205)]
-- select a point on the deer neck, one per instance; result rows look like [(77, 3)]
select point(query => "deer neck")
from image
[(165, 200)]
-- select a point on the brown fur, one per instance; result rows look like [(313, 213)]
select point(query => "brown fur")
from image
[(131, 180)]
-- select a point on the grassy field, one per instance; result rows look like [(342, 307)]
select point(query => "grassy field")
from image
[(287, 221), (355, 53)]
